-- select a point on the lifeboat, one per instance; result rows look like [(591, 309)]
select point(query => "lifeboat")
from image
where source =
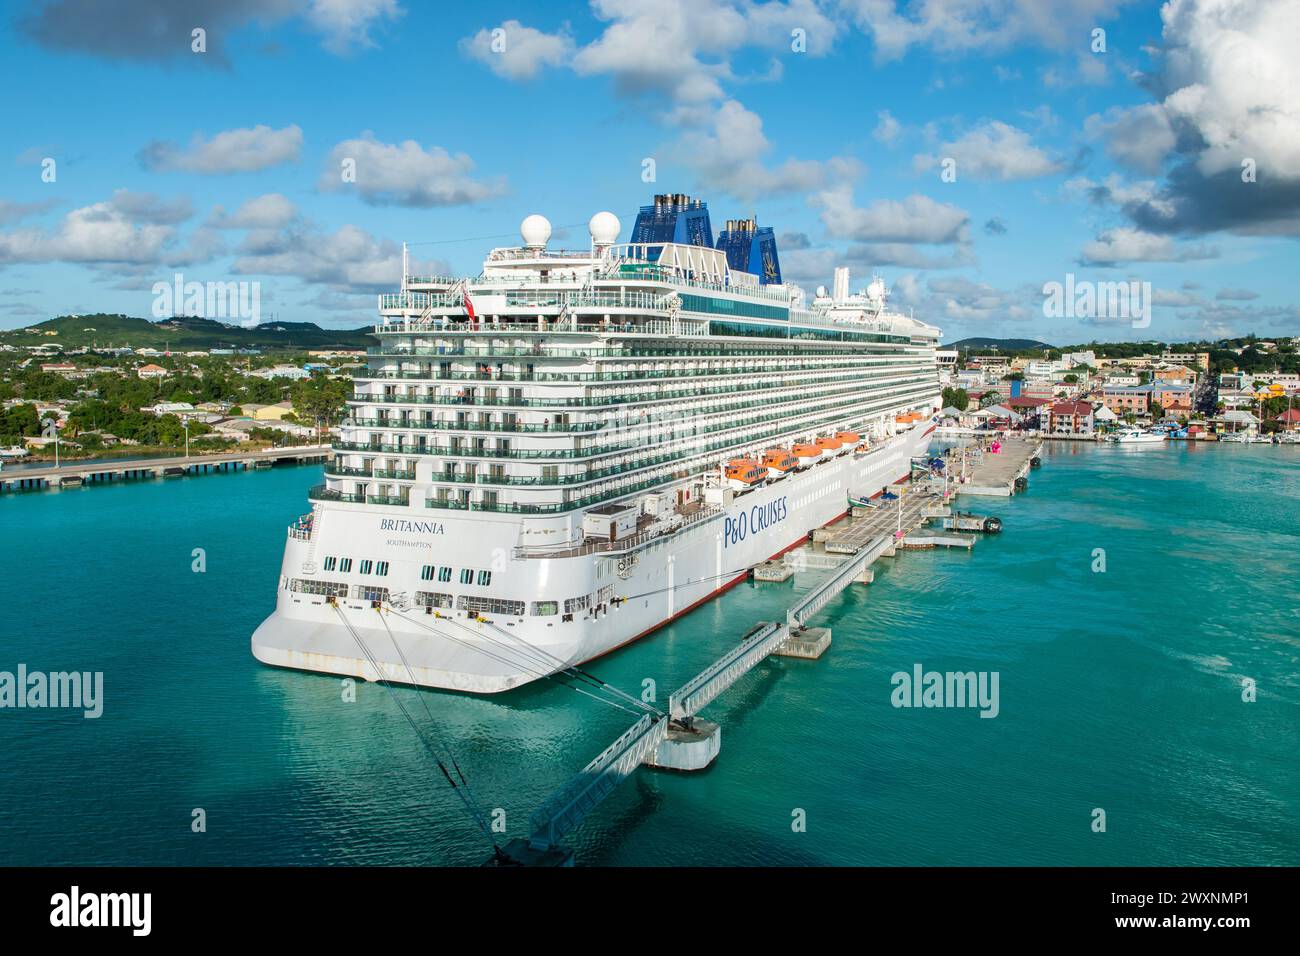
[(850, 440), (830, 446), (779, 463), (807, 455), (741, 474)]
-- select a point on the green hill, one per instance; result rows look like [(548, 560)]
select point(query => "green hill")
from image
[(1002, 345), (78, 331)]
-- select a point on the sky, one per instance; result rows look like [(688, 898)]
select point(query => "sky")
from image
[(967, 151)]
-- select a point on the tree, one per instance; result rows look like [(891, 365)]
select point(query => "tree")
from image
[(320, 398), (956, 398)]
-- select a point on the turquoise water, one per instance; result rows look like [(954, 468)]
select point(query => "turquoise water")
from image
[(1118, 690)]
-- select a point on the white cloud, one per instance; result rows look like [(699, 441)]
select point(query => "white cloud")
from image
[(1116, 246), (346, 260), (98, 233), (231, 151), (994, 150), (345, 24), (887, 128), (11, 212), (986, 26), (518, 52), (269, 211), (679, 50), (728, 156), (1232, 74), (916, 219), (1140, 137), (406, 174)]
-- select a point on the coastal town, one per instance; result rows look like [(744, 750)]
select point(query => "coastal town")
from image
[(65, 401), (1245, 392), (62, 402)]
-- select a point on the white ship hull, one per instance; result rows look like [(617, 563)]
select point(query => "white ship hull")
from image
[(627, 594)]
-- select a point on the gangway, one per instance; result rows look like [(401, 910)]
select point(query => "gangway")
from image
[(697, 692), (565, 809), (798, 615)]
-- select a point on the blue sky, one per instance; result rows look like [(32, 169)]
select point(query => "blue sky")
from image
[(223, 165)]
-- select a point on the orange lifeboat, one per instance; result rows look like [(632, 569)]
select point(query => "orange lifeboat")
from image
[(807, 455), (779, 463), (829, 446), (850, 440), (744, 473)]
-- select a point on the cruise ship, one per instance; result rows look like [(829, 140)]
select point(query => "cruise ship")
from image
[(551, 459)]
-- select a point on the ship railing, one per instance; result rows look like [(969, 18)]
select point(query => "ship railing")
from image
[(584, 546)]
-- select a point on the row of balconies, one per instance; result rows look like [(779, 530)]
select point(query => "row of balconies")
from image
[(705, 424), (681, 412), (622, 398), (480, 450)]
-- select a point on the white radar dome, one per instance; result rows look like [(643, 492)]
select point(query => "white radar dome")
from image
[(535, 230), (604, 228)]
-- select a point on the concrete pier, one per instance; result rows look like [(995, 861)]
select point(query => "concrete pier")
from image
[(809, 644), (101, 472), (773, 571), (688, 748), (1000, 475)]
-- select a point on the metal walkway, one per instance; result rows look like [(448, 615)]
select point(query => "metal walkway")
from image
[(797, 616), (566, 809), (870, 534), (697, 692)]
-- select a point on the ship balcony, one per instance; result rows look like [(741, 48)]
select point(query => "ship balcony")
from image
[(326, 493), (376, 473), (519, 427)]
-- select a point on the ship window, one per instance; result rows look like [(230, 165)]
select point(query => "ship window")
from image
[(484, 578), (486, 605), (426, 573), (444, 574), (432, 599), (331, 588), (573, 605), (466, 576), (330, 563), (368, 592), (345, 565), (381, 568), (366, 566), (545, 608)]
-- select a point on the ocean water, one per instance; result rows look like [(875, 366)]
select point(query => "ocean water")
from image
[(1119, 689)]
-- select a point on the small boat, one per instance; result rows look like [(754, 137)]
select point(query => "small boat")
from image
[(850, 439), (779, 463), (741, 474), (14, 451), (830, 446), (807, 454), (1134, 436)]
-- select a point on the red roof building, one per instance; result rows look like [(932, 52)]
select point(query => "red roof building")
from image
[(1072, 417)]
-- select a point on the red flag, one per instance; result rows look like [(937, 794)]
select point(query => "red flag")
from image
[(469, 307)]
